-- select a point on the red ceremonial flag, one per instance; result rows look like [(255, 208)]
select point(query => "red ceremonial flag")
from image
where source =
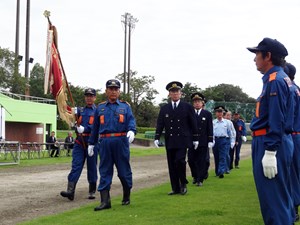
[(56, 79)]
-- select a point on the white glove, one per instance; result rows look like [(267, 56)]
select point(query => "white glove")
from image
[(195, 143), (80, 129), (244, 138), (232, 144), (211, 144), (75, 110), (130, 135), (91, 150), (156, 142), (269, 163)]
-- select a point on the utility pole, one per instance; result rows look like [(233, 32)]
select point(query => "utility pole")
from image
[(27, 91), (17, 39), (124, 20), (129, 21)]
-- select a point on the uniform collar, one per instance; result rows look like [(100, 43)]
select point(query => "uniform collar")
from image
[(93, 106), (117, 102)]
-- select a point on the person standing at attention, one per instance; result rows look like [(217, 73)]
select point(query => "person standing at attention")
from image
[(272, 145)]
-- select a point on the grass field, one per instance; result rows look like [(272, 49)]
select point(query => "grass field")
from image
[(229, 201)]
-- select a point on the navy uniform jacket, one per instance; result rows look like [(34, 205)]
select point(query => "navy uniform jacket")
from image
[(112, 118), (86, 119), (179, 124), (276, 94), (204, 128)]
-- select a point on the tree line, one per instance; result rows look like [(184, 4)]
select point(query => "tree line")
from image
[(141, 94)]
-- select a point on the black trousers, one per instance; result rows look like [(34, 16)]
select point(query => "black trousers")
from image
[(197, 160), (177, 167)]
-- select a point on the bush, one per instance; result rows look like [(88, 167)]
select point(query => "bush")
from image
[(62, 125), (142, 130)]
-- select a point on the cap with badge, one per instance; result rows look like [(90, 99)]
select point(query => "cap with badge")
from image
[(174, 85), (113, 83), (90, 91), (198, 96), (270, 45), (219, 108)]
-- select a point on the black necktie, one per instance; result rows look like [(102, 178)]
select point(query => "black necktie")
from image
[(174, 106), (197, 112)]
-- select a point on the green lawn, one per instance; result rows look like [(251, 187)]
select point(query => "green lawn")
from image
[(229, 201)]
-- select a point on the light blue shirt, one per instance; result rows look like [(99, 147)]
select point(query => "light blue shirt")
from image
[(224, 128)]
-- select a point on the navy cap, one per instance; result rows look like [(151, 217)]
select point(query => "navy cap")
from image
[(113, 83), (219, 108), (174, 85), (90, 91), (290, 70), (198, 96), (270, 45)]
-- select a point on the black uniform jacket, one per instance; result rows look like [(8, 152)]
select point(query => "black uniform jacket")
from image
[(204, 128), (179, 124)]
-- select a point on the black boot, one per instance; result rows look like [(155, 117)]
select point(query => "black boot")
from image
[(105, 201), (92, 190), (126, 196), (70, 191)]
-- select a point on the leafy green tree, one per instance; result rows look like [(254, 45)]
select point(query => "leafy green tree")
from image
[(188, 89), (141, 98), (7, 68), (227, 93)]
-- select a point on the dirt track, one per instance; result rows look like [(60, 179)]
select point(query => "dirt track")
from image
[(28, 193)]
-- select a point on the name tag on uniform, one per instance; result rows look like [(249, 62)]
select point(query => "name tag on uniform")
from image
[(121, 110)]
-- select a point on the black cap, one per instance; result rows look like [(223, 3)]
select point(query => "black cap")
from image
[(113, 83), (198, 96), (270, 45), (290, 70), (174, 85), (219, 108), (90, 91)]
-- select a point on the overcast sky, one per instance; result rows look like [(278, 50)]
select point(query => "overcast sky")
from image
[(199, 41)]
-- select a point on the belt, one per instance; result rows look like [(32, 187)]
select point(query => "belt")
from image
[(221, 137), (85, 134), (259, 132), (295, 133), (113, 135)]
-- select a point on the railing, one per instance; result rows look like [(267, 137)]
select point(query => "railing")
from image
[(16, 151), (27, 98)]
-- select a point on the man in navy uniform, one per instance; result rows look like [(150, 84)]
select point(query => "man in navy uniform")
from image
[(290, 70), (80, 153), (114, 128), (272, 145), (241, 133), (179, 121), (197, 158)]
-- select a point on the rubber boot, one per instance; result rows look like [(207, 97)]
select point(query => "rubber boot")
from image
[(126, 196), (92, 190), (70, 193), (105, 201)]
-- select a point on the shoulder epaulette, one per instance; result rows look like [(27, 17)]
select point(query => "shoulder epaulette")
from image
[(272, 76), (124, 102), (101, 103)]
